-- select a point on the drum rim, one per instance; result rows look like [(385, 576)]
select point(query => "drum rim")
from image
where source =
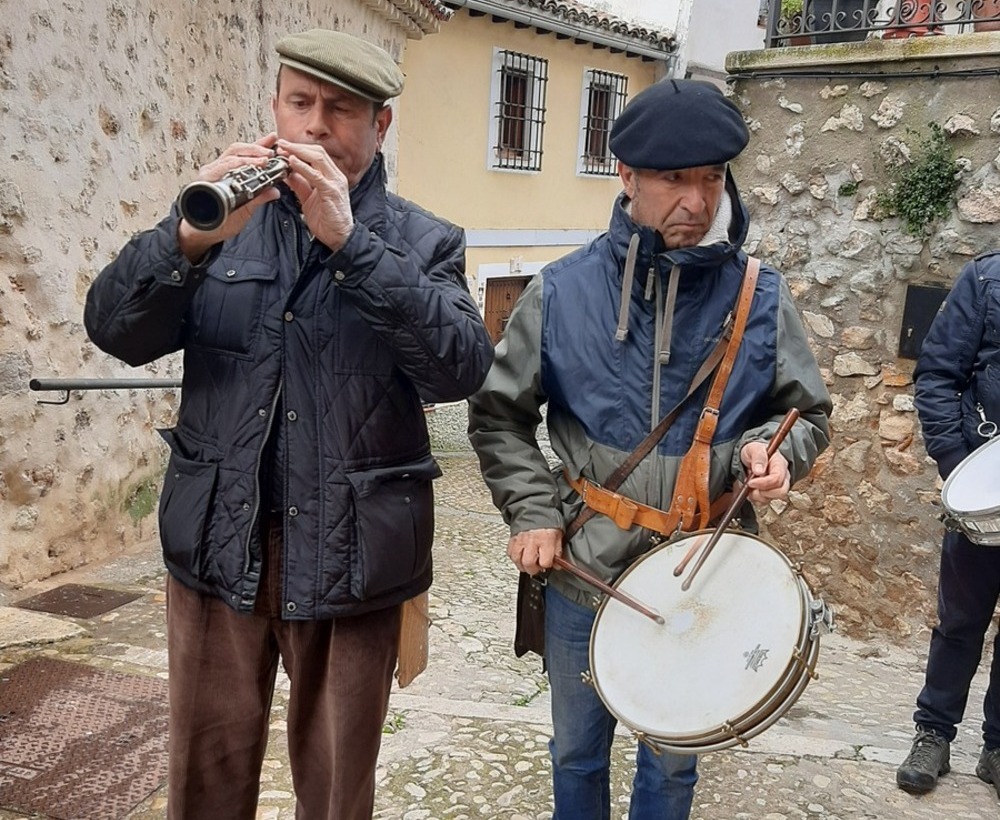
[(989, 512), (739, 737), (806, 646)]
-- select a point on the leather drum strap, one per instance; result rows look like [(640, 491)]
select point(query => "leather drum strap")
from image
[(690, 509), (645, 447)]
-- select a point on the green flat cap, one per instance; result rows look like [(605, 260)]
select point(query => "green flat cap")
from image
[(344, 60)]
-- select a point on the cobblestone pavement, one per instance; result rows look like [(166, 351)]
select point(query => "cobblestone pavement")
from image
[(468, 738)]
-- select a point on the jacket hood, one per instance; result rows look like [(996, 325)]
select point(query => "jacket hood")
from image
[(643, 246)]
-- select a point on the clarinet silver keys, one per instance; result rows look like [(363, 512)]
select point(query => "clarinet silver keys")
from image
[(206, 205)]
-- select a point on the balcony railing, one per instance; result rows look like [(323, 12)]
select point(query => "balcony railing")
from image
[(837, 21)]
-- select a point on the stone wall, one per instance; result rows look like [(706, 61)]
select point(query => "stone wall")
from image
[(108, 108), (827, 121)]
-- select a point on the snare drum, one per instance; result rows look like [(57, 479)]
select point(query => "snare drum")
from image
[(971, 495), (735, 653)]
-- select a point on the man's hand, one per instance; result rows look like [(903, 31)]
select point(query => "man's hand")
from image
[(194, 243), (323, 192), (533, 551), (768, 479)]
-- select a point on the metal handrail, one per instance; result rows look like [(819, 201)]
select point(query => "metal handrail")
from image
[(842, 20), (66, 385)]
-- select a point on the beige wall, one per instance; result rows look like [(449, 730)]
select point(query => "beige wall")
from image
[(444, 135)]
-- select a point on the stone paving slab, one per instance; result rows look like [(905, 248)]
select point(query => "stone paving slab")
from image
[(21, 627), (468, 738)]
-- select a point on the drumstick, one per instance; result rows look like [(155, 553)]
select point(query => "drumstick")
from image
[(772, 447), (618, 595)]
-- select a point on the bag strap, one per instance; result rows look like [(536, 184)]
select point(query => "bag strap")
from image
[(691, 503), (645, 447)]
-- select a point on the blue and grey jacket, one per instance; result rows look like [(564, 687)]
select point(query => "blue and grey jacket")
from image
[(608, 339), (344, 345), (958, 372)]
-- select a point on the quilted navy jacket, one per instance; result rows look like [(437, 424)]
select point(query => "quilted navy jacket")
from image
[(958, 373), (345, 345)]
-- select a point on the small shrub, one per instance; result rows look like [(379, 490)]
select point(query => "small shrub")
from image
[(141, 499), (848, 188), (923, 190)]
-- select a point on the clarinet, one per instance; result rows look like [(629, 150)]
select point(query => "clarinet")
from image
[(206, 205)]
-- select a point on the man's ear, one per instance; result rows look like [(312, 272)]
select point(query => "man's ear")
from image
[(627, 176), (383, 119)]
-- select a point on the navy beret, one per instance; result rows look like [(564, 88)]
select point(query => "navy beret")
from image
[(676, 124)]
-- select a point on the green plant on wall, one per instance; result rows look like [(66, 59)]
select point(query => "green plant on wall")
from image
[(923, 190), (790, 8), (140, 499)]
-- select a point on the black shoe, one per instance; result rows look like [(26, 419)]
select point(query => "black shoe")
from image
[(927, 761), (988, 768)]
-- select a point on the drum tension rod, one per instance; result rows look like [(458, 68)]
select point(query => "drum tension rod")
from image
[(644, 739), (731, 731)]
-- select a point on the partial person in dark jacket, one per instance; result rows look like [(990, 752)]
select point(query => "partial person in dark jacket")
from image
[(608, 339), (957, 397), (297, 511)]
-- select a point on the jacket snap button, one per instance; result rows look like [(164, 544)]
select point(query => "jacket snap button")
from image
[(289, 316), (175, 275), (293, 511), (246, 506), (290, 606), (230, 273), (292, 415), (339, 276), (262, 412)]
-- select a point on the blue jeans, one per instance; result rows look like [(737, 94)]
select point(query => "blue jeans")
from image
[(968, 590), (583, 729)]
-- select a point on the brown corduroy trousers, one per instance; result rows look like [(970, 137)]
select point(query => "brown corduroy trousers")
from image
[(222, 668)]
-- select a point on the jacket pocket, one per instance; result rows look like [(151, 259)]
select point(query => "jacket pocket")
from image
[(228, 308), (188, 489), (394, 526)]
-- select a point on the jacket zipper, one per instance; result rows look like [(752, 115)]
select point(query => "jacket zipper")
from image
[(270, 413)]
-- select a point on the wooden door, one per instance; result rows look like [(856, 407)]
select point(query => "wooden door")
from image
[(501, 295)]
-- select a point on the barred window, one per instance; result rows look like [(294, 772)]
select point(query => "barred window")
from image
[(603, 99), (518, 111)]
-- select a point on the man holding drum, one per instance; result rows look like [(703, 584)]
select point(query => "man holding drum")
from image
[(611, 338), (957, 397)]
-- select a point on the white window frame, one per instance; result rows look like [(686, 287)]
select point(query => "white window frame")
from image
[(619, 93), (534, 129)]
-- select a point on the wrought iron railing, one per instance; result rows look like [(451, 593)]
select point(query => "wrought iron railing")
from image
[(836, 21)]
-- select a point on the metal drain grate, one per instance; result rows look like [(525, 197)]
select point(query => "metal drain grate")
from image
[(78, 601), (78, 742)]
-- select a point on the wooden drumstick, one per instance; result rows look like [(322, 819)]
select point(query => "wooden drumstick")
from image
[(618, 595), (772, 447)]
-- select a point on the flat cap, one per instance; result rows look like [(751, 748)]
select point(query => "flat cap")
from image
[(344, 60), (677, 124)]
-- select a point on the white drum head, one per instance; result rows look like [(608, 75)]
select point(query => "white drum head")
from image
[(727, 642), (974, 485)]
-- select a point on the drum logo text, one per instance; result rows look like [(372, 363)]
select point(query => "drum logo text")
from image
[(755, 658)]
